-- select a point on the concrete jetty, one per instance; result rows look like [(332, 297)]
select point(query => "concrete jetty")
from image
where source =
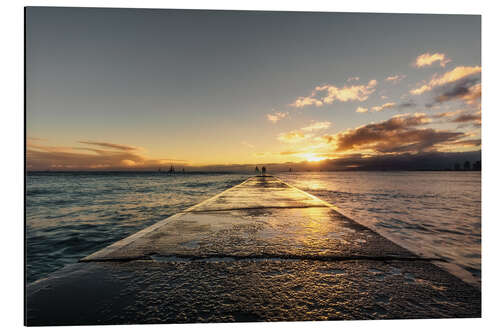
[(260, 251)]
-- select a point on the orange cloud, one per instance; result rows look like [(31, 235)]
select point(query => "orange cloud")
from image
[(447, 114), (119, 157), (327, 94), (467, 143), (428, 59), (378, 108), (454, 75), (275, 117), (383, 107), (319, 125), (293, 136), (306, 101)]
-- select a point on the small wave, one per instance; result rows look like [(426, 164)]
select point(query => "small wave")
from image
[(42, 191)]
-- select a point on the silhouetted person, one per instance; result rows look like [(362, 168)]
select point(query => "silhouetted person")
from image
[(257, 170), (290, 170), (263, 170), (477, 166), (467, 166)]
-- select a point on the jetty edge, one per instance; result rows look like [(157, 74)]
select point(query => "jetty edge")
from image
[(262, 250)]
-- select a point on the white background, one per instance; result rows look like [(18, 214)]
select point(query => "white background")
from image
[(12, 159)]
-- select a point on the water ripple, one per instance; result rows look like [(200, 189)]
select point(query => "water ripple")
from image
[(430, 213), (71, 215)]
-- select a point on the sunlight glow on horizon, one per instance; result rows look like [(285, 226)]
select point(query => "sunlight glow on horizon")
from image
[(311, 157)]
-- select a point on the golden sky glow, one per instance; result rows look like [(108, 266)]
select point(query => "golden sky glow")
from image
[(210, 97)]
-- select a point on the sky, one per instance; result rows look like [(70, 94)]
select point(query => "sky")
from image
[(114, 89)]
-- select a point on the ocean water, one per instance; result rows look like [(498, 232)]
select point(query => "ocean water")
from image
[(71, 215), (433, 214)]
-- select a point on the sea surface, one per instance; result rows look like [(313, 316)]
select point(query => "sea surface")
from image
[(433, 214), (71, 215)]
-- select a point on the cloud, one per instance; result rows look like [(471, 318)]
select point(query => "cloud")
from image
[(468, 118), (467, 143), (319, 125), (377, 108), (447, 114), (460, 117), (405, 161), (401, 133), (262, 154), (304, 133), (385, 106), (406, 105), (458, 73), (473, 95), (428, 59), (395, 78), (293, 136), (117, 157), (289, 152), (467, 90), (275, 117), (110, 145), (354, 78), (327, 94)]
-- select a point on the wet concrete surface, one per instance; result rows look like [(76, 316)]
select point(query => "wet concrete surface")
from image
[(294, 232), (260, 251), (222, 290)]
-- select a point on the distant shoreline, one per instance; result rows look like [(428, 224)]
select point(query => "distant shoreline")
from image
[(231, 172)]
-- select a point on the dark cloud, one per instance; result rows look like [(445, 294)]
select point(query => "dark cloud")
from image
[(109, 145), (396, 135), (468, 117), (461, 117), (359, 162), (406, 105), (407, 161), (468, 90)]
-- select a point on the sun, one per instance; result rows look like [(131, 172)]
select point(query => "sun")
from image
[(311, 157)]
